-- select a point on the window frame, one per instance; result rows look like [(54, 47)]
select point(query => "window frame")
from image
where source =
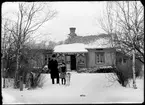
[(101, 58)]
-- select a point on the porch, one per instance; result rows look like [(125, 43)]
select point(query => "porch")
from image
[(74, 55)]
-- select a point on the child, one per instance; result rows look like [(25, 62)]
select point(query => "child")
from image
[(63, 73)]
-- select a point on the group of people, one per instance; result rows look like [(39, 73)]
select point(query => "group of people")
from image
[(55, 69)]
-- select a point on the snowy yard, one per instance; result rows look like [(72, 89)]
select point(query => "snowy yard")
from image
[(84, 88)]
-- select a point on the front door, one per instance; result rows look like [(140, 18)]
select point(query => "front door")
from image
[(73, 62)]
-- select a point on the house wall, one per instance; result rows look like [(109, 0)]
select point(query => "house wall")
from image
[(109, 57), (90, 58)]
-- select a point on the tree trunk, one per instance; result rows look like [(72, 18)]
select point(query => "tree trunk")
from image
[(21, 83), (17, 70), (133, 68), (3, 74)]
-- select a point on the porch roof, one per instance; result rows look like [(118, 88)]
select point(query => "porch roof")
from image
[(70, 48)]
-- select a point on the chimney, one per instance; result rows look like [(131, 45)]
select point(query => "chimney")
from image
[(72, 31)]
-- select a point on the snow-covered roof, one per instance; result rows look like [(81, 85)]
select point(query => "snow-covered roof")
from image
[(70, 48), (80, 47), (99, 43)]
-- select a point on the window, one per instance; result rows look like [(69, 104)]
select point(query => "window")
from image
[(124, 60), (81, 59), (45, 59), (100, 58)]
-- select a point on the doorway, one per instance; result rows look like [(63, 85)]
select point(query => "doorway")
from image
[(73, 62)]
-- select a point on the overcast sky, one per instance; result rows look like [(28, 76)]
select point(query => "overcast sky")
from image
[(82, 15)]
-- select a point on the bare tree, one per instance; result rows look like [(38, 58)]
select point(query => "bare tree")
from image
[(106, 22), (6, 47), (126, 21), (3, 48), (52, 44), (30, 17)]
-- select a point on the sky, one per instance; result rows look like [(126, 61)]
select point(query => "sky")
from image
[(81, 15)]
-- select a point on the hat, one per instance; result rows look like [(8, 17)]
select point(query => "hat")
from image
[(53, 55)]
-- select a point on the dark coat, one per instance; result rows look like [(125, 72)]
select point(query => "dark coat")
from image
[(53, 66)]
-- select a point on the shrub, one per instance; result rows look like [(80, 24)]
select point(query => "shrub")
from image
[(40, 81), (32, 75), (35, 80), (95, 70), (88, 70), (82, 70), (124, 72)]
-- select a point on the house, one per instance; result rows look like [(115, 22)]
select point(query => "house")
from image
[(86, 51)]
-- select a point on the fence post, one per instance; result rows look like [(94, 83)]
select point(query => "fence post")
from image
[(21, 83)]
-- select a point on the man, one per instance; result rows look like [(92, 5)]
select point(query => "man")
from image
[(53, 66)]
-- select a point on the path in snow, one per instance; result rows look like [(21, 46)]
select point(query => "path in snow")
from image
[(84, 88)]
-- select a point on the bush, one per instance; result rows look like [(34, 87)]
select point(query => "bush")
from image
[(37, 80), (40, 81), (82, 70), (87, 70), (31, 76), (10, 73), (124, 72), (95, 70), (105, 70)]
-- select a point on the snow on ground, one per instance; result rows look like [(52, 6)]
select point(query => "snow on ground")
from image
[(84, 88)]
